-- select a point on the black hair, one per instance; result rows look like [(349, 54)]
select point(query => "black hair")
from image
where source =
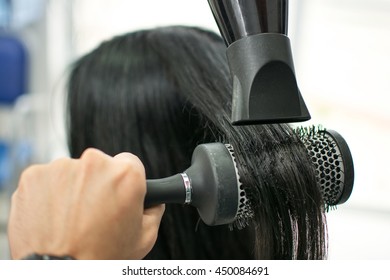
[(158, 93)]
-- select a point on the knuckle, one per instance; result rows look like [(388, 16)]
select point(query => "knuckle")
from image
[(91, 159), (28, 179), (90, 154), (138, 172), (28, 175), (133, 174)]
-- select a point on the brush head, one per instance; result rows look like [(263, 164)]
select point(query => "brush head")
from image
[(217, 191), (245, 211), (212, 183), (332, 159)]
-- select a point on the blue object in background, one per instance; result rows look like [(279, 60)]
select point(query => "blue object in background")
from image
[(5, 166), (5, 13), (13, 69)]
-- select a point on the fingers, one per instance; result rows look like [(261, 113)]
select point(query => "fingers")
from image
[(150, 226), (151, 216), (59, 204), (155, 213), (132, 176)]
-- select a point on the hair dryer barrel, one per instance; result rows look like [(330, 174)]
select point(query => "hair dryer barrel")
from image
[(240, 19), (259, 53)]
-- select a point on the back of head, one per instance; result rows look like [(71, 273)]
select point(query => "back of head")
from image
[(158, 93)]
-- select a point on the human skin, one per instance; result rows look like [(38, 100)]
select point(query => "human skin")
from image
[(86, 208)]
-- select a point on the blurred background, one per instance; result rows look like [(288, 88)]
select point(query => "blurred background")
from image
[(342, 61)]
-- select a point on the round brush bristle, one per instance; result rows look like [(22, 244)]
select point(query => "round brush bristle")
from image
[(333, 163), (244, 211)]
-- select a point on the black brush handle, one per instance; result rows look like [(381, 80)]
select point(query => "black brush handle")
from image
[(209, 184), (165, 190)]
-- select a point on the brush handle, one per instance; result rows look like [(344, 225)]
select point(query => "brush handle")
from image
[(166, 190), (210, 185)]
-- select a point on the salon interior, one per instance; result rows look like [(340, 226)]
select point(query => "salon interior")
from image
[(341, 58)]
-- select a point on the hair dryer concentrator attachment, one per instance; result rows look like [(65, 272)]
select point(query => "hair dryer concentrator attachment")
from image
[(259, 53)]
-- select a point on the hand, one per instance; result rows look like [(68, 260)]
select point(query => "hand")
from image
[(87, 208)]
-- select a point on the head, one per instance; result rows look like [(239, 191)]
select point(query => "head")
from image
[(159, 93)]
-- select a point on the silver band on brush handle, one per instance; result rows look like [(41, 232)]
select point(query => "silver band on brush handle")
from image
[(188, 188)]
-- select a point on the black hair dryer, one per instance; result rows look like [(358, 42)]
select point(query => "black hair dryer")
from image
[(259, 53)]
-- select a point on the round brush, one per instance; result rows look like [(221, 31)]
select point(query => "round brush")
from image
[(212, 183)]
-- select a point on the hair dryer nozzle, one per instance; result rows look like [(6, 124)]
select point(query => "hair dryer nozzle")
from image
[(265, 89), (260, 61)]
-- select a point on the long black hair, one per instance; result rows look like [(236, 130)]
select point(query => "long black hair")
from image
[(158, 93)]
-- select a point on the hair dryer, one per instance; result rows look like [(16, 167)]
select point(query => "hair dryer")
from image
[(260, 60)]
